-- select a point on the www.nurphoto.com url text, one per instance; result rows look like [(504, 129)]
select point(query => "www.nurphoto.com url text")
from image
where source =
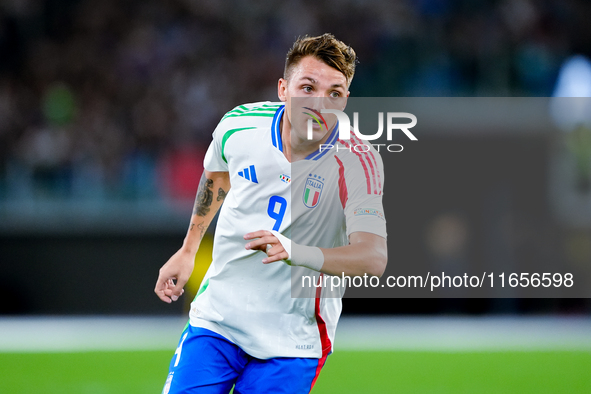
[(433, 282)]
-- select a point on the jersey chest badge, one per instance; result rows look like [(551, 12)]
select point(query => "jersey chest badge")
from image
[(313, 190)]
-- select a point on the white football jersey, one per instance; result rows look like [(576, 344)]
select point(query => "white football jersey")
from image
[(317, 202)]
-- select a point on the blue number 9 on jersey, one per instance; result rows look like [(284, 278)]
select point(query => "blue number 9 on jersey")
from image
[(276, 210)]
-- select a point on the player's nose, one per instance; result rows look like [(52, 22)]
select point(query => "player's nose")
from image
[(320, 102)]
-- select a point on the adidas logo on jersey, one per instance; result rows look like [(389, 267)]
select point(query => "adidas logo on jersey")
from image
[(249, 173)]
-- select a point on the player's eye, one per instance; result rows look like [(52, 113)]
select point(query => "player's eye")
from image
[(307, 89), (335, 94)]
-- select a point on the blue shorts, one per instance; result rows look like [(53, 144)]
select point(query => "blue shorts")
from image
[(207, 363)]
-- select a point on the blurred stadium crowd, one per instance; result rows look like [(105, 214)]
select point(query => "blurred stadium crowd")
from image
[(117, 99)]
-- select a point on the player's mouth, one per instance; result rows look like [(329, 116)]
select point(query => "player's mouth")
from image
[(319, 120)]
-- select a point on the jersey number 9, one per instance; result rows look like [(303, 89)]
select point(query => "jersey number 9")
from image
[(276, 210)]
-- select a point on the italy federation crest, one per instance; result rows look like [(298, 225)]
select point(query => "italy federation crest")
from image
[(313, 190)]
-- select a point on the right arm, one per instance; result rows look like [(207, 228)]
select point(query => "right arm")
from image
[(211, 193)]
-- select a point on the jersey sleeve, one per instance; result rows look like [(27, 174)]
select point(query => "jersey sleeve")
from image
[(214, 159), (362, 182)]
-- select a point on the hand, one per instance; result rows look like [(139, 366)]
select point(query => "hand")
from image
[(265, 240), (178, 268)]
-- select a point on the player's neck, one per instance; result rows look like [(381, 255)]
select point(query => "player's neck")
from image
[(295, 149)]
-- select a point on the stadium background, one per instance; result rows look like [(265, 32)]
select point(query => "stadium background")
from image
[(106, 108)]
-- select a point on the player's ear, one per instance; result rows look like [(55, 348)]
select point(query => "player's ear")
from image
[(281, 89)]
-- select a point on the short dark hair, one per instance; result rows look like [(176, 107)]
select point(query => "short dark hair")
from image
[(325, 48)]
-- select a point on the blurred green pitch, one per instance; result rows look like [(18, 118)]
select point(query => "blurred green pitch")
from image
[(345, 372)]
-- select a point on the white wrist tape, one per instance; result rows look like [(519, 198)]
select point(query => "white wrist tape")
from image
[(305, 256)]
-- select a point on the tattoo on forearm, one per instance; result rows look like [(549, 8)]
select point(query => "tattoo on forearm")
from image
[(221, 194), (204, 197), (201, 227)]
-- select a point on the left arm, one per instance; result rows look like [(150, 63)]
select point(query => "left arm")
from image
[(366, 253)]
